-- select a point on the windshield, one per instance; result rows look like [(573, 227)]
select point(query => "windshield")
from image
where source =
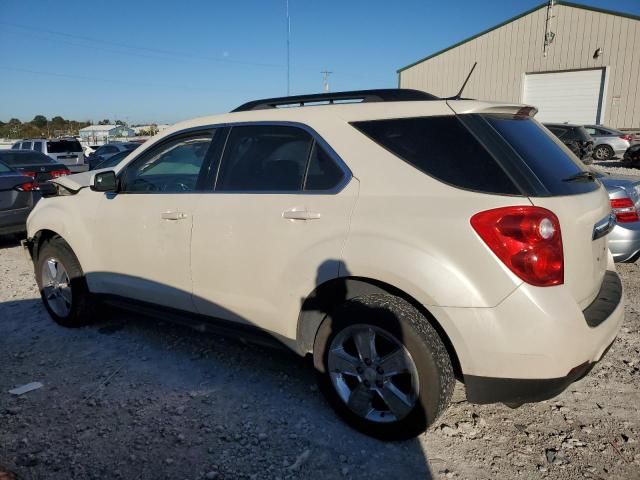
[(63, 146), (14, 159)]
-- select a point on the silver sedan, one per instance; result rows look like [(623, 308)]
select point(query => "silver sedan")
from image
[(608, 142), (624, 194)]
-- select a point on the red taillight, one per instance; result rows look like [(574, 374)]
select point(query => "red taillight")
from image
[(27, 187), (624, 209), (628, 138), (30, 174), (527, 240), (59, 173)]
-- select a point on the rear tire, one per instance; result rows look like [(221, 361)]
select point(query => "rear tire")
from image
[(62, 284), (603, 152), (405, 385)]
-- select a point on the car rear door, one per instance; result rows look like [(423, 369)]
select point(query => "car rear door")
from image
[(273, 228), (142, 234), (68, 152)]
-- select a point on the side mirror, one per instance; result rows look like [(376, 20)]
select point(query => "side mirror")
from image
[(105, 182)]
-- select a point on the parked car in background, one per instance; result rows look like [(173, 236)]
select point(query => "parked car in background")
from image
[(33, 164), (18, 195), (399, 239), (89, 149), (624, 195), (576, 138), (113, 160), (608, 142), (631, 157), (104, 152), (67, 151)]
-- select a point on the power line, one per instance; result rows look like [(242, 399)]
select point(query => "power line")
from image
[(111, 80), (172, 53)]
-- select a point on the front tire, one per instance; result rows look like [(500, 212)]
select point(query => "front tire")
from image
[(603, 152), (62, 284), (383, 367)]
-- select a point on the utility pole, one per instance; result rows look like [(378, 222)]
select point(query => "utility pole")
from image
[(288, 51), (325, 79), (548, 34)]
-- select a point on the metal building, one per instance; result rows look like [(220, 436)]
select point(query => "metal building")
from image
[(575, 63)]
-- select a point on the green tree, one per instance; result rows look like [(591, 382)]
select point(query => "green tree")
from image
[(39, 121), (106, 121)]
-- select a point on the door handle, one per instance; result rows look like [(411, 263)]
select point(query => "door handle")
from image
[(173, 215), (300, 215)]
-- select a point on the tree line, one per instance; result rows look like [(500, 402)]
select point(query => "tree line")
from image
[(40, 126)]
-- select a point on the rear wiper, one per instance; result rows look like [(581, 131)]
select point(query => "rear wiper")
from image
[(580, 177)]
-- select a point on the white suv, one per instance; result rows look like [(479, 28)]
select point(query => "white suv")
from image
[(67, 151), (402, 240)]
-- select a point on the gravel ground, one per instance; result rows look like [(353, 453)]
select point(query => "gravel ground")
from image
[(615, 167), (130, 398)]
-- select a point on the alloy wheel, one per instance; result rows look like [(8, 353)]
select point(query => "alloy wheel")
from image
[(373, 373), (56, 287), (601, 153)]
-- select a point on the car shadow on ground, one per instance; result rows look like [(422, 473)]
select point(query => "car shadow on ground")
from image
[(9, 241), (132, 397)]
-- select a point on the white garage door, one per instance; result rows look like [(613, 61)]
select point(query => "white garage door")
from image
[(574, 97)]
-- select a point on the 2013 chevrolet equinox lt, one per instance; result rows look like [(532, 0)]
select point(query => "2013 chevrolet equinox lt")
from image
[(400, 239)]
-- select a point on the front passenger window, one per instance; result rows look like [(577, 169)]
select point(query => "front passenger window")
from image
[(170, 168)]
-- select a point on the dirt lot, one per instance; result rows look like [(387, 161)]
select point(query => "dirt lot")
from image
[(130, 398)]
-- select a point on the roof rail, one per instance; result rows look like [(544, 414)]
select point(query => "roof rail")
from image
[(361, 96)]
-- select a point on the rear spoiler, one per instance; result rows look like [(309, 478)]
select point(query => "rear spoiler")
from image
[(492, 108)]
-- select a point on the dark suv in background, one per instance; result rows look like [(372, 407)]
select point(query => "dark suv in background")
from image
[(576, 138)]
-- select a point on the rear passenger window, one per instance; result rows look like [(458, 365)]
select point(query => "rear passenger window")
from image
[(442, 148), (261, 158), (26, 145), (37, 146), (323, 173)]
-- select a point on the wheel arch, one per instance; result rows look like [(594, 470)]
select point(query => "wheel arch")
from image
[(330, 294), (40, 238)]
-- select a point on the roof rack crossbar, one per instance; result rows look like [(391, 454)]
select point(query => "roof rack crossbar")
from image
[(363, 96)]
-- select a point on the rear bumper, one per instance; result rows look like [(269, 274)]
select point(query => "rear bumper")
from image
[(14, 221), (624, 242), (535, 343), (516, 390)]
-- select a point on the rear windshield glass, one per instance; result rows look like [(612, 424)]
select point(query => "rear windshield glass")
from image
[(64, 146), (443, 148), (551, 162), (4, 168), (27, 158)]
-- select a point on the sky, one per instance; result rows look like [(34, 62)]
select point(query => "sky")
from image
[(158, 61)]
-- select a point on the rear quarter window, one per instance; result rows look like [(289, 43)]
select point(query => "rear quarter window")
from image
[(443, 148)]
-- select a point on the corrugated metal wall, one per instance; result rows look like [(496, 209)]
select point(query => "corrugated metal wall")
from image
[(505, 54)]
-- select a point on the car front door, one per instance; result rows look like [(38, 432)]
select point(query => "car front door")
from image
[(143, 232), (273, 228)]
